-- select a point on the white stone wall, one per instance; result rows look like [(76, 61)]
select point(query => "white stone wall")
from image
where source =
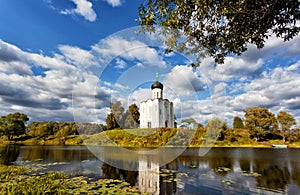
[(158, 112), (157, 93)]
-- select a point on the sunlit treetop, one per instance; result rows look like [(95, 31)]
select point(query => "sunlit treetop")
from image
[(220, 28)]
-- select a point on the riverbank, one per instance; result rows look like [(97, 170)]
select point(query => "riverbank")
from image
[(89, 140), (143, 138)]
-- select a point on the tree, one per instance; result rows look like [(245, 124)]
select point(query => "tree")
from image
[(111, 122), (237, 123), (188, 120), (129, 122), (259, 121), (286, 120), (220, 129), (214, 129), (294, 135), (118, 111), (13, 124), (218, 28), (39, 129), (89, 128), (132, 117), (134, 113), (118, 118), (198, 136)]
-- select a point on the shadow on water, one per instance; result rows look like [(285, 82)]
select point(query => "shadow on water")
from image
[(56, 153), (9, 154)]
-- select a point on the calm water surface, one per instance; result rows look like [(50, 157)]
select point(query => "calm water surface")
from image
[(220, 171)]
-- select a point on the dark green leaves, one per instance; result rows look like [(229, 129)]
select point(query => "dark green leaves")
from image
[(218, 28)]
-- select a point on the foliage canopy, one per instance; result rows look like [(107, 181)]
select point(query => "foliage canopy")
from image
[(237, 123), (218, 28), (286, 120), (259, 121), (120, 119), (13, 124)]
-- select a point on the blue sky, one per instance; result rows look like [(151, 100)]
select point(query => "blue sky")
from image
[(66, 60)]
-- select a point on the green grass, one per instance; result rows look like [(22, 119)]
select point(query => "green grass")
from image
[(139, 138)]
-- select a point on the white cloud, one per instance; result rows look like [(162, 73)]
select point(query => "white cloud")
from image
[(184, 81), (112, 47), (120, 64), (252, 80), (220, 88), (140, 95), (77, 56), (238, 66), (114, 3), (277, 90), (251, 63), (10, 52), (15, 67), (140, 65), (83, 8), (48, 95)]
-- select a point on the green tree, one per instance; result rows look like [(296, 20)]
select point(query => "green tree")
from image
[(132, 117), (294, 135), (237, 123), (65, 129), (227, 133), (259, 121), (13, 124), (40, 129), (213, 129), (220, 129), (286, 120), (111, 122), (134, 113), (118, 111), (218, 28), (198, 136), (129, 122), (89, 128)]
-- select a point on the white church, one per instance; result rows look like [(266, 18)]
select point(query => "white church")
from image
[(156, 112)]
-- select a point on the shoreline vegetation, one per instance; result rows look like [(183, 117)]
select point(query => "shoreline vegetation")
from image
[(149, 138), (258, 128), (28, 180)]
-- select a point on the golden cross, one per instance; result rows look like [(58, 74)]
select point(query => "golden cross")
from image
[(156, 76)]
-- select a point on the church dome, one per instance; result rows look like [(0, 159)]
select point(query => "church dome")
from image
[(157, 84)]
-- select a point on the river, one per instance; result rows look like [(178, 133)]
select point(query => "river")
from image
[(220, 171)]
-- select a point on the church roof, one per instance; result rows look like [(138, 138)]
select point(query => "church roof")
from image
[(157, 84)]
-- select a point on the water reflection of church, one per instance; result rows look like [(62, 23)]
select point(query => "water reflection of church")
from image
[(148, 175), (150, 179)]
